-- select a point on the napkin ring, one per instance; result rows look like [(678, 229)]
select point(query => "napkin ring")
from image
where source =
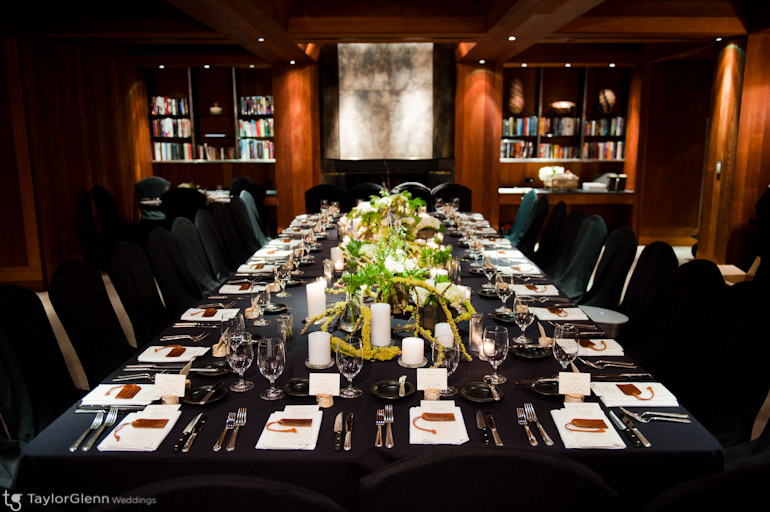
[(631, 390), (141, 423), (176, 350), (558, 312), (126, 392), (586, 425), (586, 343), (432, 416), (535, 288), (290, 423)]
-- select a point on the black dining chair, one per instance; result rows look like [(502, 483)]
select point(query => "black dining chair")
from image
[(112, 229), (151, 188), (236, 253), (17, 422), (80, 299), (612, 271), (247, 229), (256, 217), (258, 194), (545, 255), (528, 240), (224, 492), (316, 194), (565, 242), (573, 280), (179, 289), (32, 343), (132, 277), (215, 249), (448, 191), (188, 238), (417, 189), (363, 192), (483, 479), (523, 217), (239, 183), (182, 202)]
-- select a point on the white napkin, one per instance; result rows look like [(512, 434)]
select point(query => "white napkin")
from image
[(612, 396), (196, 315), (141, 439), (304, 439), (235, 289), (151, 356), (254, 268), (272, 252), (548, 290), (609, 439), (447, 432), (572, 314), (505, 253), (519, 268), (613, 349), (99, 396)]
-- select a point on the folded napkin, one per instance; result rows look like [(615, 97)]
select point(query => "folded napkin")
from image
[(609, 439), (99, 396), (305, 438), (235, 289), (612, 349), (613, 396), (150, 355), (447, 432), (125, 438), (521, 268), (503, 252), (547, 290), (196, 315), (272, 253), (572, 314), (256, 268)]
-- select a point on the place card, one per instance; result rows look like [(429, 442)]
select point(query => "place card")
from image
[(301, 412), (169, 384), (574, 383), (324, 384), (431, 378), (437, 406)]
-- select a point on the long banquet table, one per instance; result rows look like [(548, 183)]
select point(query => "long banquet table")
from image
[(679, 451)]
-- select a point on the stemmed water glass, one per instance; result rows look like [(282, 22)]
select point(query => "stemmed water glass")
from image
[(349, 317), (565, 344), (523, 316), (271, 359), (297, 259), (239, 355), (261, 300), (328, 271), (282, 275), (504, 290), (490, 269), (495, 347), (446, 355), (350, 360)]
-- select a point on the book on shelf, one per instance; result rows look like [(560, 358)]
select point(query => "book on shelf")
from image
[(165, 106), (556, 151), (559, 126), (207, 152), (171, 127), (252, 149), (256, 105), (605, 127), (517, 149), (520, 126), (608, 150), (171, 151), (256, 127)]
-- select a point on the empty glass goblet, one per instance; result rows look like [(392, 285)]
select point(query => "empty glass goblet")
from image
[(446, 354), (523, 316), (271, 359), (565, 344), (260, 300), (495, 347), (490, 269), (504, 290), (350, 360), (240, 355), (282, 274)]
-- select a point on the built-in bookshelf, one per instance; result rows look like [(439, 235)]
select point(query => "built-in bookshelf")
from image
[(171, 124)]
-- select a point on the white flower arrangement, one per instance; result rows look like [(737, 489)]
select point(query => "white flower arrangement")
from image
[(428, 222), (548, 172)]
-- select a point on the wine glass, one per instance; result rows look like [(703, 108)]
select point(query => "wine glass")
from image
[(490, 269), (523, 316), (565, 344), (349, 317), (504, 290), (456, 204), (240, 355), (495, 347), (297, 259), (328, 271), (446, 354), (350, 360), (282, 275), (271, 359), (261, 300), (438, 204)]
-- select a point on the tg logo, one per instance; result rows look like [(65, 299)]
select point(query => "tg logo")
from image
[(12, 501)]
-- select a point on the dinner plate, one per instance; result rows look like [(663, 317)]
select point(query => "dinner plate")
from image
[(221, 368), (195, 394), (297, 387), (388, 389), (488, 294), (505, 318), (275, 308), (545, 387), (295, 282), (530, 351), (479, 392)]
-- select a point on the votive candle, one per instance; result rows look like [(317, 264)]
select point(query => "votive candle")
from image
[(319, 348), (412, 351)]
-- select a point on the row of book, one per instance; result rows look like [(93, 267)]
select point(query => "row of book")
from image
[(165, 106), (262, 127), (559, 126), (548, 150), (172, 151), (257, 149), (256, 105), (206, 152), (517, 149), (171, 127), (612, 127), (613, 150), (520, 126)]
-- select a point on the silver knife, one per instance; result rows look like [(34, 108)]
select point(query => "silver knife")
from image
[(186, 432), (628, 432), (493, 428), (191, 439), (482, 425), (348, 432), (338, 432), (630, 424), (208, 395)]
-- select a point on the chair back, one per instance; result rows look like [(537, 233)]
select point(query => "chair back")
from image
[(182, 202), (314, 196), (80, 300), (565, 243), (239, 183), (236, 253), (415, 188), (528, 240), (150, 188), (523, 217), (246, 227), (187, 237), (546, 253), (616, 260), (256, 217), (363, 191), (573, 280), (258, 194), (448, 191), (216, 253), (179, 289)]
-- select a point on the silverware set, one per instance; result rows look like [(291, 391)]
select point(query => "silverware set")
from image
[(601, 364), (388, 426), (648, 416), (229, 425), (240, 421), (380, 421), (223, 305), (529, 411), (196, 338), (98, 425)]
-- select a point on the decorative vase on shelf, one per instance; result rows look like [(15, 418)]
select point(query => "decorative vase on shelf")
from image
[(216, 109)]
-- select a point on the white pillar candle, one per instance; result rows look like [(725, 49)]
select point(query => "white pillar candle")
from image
[(337, 258), (412, 351), (316, 298), (441, 329), (445, 340), (319, 348), (380, 324)]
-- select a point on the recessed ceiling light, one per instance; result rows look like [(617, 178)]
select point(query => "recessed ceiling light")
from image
[(482, 61), (161, 67), (567, 65), (612, 64), (292, 62), (206, 66), (261, 39), (524, 64), (511, 38), (719, 39)]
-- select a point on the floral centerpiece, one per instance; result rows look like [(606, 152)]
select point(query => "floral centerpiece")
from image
[(390, 262)]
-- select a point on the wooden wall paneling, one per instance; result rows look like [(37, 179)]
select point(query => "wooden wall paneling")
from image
[(478, 115), (633, 133), (297, 137), (722, 143)]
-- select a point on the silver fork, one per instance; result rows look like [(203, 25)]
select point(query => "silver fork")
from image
[(380, 422), (601, 365), (123, 378), (389, 429), (240, 420), (647, 416), (217, 305), (523, 422), (94, 425), (229, 425), (110, 421), (198, 337), (529, 410)]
